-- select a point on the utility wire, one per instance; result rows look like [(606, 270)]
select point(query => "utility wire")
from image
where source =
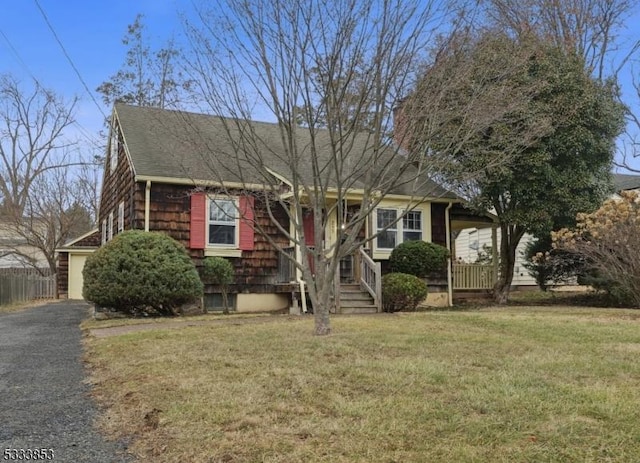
[(91, 138), (19, 58), (64, 50)]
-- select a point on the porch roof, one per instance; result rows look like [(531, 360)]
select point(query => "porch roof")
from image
[(463, 217)]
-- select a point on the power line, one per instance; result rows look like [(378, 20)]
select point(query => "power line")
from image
[(19, 58), (64, 50)]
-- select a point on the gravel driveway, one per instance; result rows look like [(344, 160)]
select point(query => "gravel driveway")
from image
[(44, 403)]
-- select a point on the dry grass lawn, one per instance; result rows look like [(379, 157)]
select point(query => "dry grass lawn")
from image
[(495, 385)]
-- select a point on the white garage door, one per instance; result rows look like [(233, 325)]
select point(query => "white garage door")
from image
[(76, 264)]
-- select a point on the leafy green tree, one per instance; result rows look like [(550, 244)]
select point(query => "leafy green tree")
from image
[(139, 271), (560, 141)]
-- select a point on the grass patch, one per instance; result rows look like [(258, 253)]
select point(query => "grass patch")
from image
[(23, 305), (491, 385)]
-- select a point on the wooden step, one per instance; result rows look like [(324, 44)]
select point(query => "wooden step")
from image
[(355, 301), (358, 310)]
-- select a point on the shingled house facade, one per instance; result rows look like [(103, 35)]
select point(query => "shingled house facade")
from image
[(156, 179)]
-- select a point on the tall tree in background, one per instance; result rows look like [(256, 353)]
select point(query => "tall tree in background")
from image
[(564, 136), (39, 173), (148, 77), (54, 213), (32, 141), (587, 28)]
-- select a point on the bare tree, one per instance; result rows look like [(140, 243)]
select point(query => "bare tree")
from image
[(330, 75), (41, 174), (297, 61), (589, 28), (54, 213), (32, 141)]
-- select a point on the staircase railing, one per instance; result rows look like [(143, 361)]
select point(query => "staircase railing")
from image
[(371, 277)]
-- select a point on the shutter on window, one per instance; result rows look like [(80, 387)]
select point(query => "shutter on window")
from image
[(198, 221), (308, 227), (247, 216)]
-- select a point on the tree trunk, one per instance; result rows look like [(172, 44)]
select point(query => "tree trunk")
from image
[(322, 325), (319, 288), (509, 238)]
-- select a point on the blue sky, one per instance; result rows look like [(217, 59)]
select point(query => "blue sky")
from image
[(91, 32)]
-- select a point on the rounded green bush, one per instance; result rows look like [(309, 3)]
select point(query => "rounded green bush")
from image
[(401, 291), (138, 271), (418, 258)]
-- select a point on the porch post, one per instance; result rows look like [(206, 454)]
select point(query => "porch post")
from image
[(293, 230), (449, 260), (494, 253)]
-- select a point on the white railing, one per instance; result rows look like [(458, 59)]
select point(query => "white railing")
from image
[(473, 276), (371, 277)]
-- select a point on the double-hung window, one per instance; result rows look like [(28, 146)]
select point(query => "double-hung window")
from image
[(392, 231), (387, 228), (412, 226), (223, 226)]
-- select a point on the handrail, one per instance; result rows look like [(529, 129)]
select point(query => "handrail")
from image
[(371, 277)]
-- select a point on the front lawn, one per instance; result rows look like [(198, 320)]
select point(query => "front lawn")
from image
[(493, 385)]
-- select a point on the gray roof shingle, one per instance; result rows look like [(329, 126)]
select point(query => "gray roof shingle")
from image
[(199, 147)]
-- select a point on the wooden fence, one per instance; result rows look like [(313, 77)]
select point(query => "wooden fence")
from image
[(17, 285), (473, 276)]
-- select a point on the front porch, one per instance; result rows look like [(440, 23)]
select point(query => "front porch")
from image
[(358, 281)]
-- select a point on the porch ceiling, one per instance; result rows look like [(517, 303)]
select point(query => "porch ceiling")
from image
[(462, 218)]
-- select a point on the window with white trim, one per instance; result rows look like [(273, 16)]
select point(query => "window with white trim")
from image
[(121, 217), (387, 228), (110, 228), (104, 231), (222, 226), (392, 232), (412, 226), (113, 150)]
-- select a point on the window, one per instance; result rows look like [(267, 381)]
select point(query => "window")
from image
[(121, 217), (113, 149), (104, 231), (110, 229), (223, 225), (213, 302), (392, 231), (412, 226), (386, 218)]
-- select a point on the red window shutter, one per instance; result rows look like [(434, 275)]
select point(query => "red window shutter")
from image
[(247, 216), (198, 221), (308, 227)]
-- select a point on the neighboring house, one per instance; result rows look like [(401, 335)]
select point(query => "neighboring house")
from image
[(472, 243), (15, 252), (153, 165)]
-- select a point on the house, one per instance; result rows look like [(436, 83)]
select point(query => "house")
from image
[(156, 178), (472, 243)]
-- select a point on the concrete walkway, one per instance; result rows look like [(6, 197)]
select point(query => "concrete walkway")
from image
[(44, 402)]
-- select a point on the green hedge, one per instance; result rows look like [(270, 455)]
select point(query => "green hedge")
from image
[(139, 272), (401, 291), (418, 258)]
